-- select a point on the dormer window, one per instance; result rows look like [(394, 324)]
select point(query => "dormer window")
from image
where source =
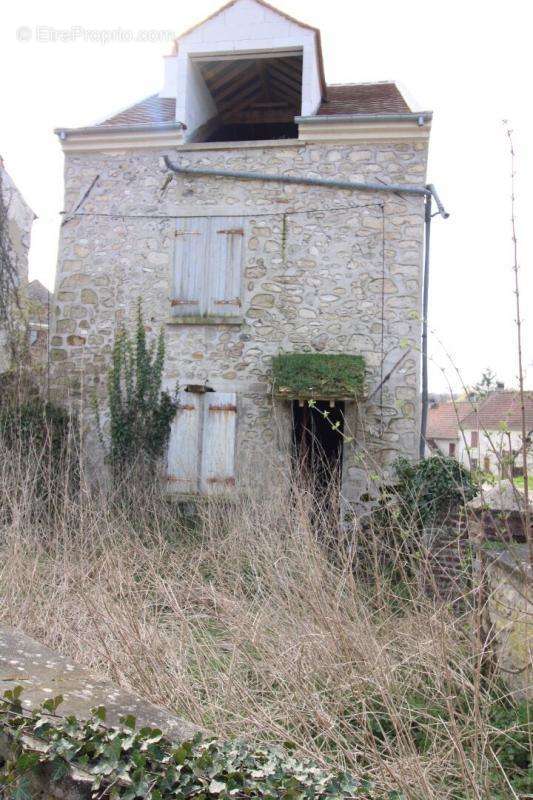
[(256, 96), (245, 73)]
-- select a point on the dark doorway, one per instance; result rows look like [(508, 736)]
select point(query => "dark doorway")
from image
[(318, 446)]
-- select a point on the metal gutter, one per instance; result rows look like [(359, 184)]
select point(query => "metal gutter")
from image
[(420, 118), (63, 133), (425, 191)]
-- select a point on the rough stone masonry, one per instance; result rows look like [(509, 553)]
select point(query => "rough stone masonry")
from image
[(324, 270)]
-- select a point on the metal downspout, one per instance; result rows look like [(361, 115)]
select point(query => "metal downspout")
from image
[(425, 302)]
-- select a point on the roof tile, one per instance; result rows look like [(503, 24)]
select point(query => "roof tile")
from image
[(152, 110), (444, 419), (498, 408), (350, 98), (363, 98)]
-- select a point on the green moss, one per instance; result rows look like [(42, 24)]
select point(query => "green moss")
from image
[(318, 375)]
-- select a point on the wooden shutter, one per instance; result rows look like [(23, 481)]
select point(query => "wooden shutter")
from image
[(192, 236), (225, 266), (184, 445), (218, 443)]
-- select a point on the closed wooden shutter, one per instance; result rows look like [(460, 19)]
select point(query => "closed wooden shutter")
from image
[(218, 443), (191, 255), (184, 445), (225, 266)]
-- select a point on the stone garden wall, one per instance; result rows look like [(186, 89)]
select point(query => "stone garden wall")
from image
[(44, 674), (510, 610), (340, 273)]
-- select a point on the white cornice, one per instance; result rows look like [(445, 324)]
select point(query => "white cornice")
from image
[(363, 132), (82, 140), (365, 128)]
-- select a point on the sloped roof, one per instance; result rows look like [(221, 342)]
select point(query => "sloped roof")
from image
[(9, 187), (346, 98), (37, 292), (501, 407), (363, 98), (444, 419), (337, 99), (259, 2), (153, 110)]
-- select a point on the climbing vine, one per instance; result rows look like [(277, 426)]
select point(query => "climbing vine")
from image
[(140, 411), (126, 762)]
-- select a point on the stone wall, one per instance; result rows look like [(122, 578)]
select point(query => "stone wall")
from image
[(340, 273), (510, 610), (18, 220), (44, 674)]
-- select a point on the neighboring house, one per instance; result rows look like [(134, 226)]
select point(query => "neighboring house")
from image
[(16, 219), (38, 311), (239, 271), (484, 434), (492, 434), (443, 426)]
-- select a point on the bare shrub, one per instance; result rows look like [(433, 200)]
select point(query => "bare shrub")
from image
[(249, 619)]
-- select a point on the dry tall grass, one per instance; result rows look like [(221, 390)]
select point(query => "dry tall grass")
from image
[(249, 624)]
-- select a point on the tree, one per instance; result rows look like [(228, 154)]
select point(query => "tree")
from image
[(487, 383), (140, 411)]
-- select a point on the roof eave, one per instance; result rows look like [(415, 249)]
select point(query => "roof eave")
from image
[(63, 133), (421, 118)]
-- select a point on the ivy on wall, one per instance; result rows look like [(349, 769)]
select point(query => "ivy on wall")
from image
[(126, 762)]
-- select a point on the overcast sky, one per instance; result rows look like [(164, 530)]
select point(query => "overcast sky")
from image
[(470, 62)]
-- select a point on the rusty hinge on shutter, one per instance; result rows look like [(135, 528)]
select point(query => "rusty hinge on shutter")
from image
[(235, 302), (223, 407), (226, 481), (187, 233), (176, 301), (186, 408), (230, 231)]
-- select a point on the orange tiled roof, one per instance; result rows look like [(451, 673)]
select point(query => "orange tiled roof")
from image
[(444, 419), (501, 407)]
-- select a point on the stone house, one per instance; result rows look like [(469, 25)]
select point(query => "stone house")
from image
[(15, 224), (443, 428), (484, 435), (227, 203), (492, 439), (38, 309)]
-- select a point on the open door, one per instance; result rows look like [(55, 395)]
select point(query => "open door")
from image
[(318, 447)]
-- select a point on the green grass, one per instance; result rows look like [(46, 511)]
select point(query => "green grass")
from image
[(318, 375), (519, 481)]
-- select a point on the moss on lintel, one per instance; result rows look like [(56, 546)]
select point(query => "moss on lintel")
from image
[(318, 376)]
